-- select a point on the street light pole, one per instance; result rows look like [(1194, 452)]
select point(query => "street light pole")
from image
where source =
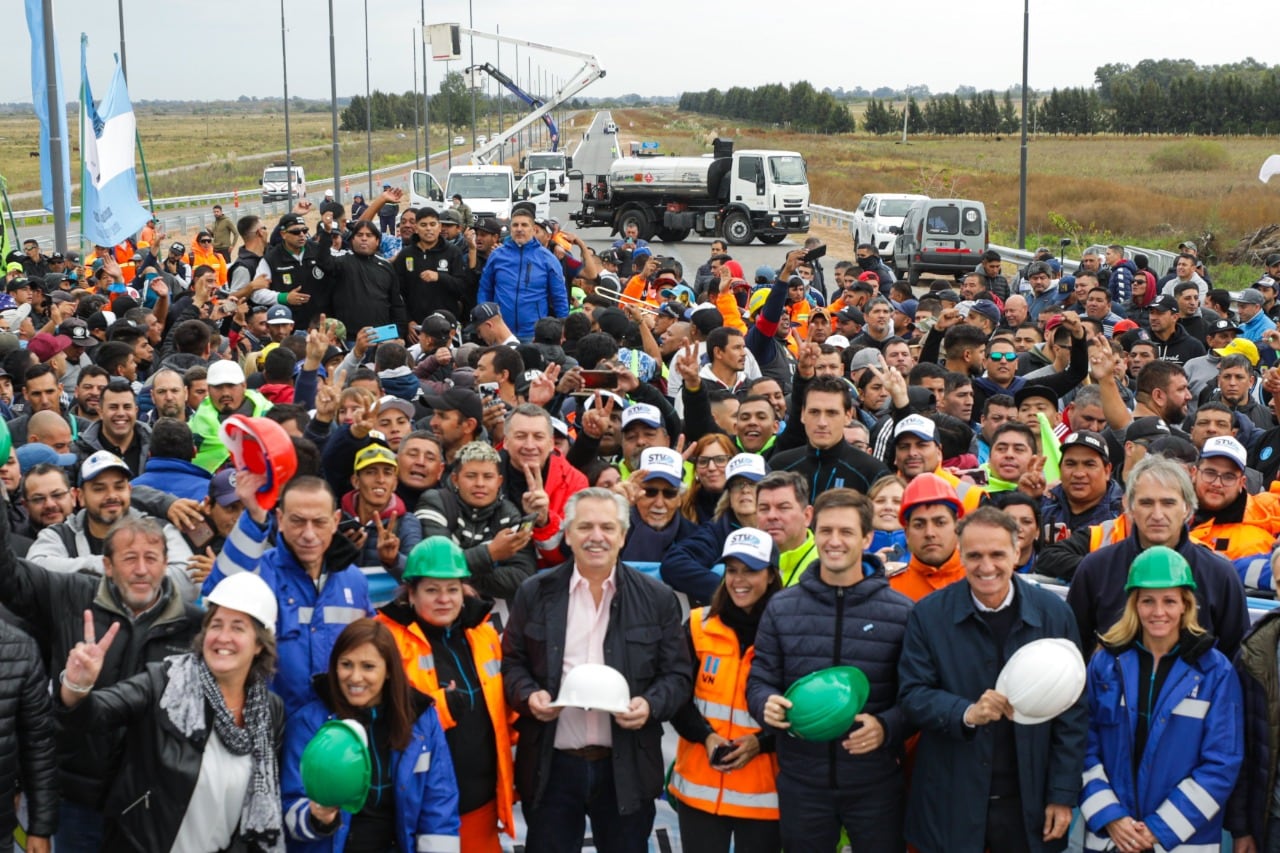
[(426, 99), (124, 63), (415, 101), (471, 24), (1022, 172), (288, 147), (333, 109), (368, 102), (498, 64)]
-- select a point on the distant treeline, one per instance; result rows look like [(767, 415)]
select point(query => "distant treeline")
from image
[(800, 107), (1154, 96)]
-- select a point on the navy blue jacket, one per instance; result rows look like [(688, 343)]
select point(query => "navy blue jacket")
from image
[(1097, 593), (949, 659), (812, 626), (687, 566), (841, 466), (1057, 520), (1249, 809)]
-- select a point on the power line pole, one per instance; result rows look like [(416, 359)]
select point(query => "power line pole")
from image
[(1022, 170), (333, 109), (426, 99), (57, 118), (414, 45), (288, 147), (471, 24)]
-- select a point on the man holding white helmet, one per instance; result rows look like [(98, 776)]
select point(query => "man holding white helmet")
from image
[(155, 622), (573, 762), (1010, 788)]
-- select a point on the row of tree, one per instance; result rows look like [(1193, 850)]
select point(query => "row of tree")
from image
[(799, 107), (451, 105)]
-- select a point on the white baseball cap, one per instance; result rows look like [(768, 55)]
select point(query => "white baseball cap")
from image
[(225, 373), (642, 413), (837, 341), (916, 425), (662, 463), (749, 465), (99, 462), (1226, 447), (753, 547)]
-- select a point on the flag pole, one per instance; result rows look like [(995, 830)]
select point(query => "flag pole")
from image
[(57, 118), (84, 113), (137, 138)]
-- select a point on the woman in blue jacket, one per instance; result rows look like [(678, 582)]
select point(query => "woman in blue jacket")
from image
[(413, 796), (1165, 721)]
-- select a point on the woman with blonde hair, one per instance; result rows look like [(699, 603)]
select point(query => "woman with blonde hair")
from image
[(1165, 720), (711, 455), (886, 499)]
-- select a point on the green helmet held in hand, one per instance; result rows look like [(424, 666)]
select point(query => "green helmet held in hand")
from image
[(436, 557), (1159, 568), (336, 766), (824, 703)]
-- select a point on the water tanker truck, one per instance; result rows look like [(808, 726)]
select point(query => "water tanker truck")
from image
[(738, 195)]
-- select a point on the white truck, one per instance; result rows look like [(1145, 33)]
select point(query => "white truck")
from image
[(275, 182), (489, 191), (557, 164), (740, 195), (877, 214)]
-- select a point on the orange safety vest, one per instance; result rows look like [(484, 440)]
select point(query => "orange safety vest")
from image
[(720, 694), (486, 650), (1253, 536), (971, 496), (1108, 532), (124, 257)]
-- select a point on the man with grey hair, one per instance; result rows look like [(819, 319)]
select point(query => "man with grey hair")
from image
[(574, 763), (538, 480), (1159, 501), (879, 326)]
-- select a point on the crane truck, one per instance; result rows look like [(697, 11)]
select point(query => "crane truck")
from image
[(740, 195)]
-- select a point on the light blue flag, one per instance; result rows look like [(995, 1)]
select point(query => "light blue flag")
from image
[(40, 100), (109, 196)]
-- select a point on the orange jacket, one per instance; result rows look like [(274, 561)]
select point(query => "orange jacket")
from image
[(971, 496), (800, 312), (1253, 536), (638, 287), (1108, 532), (730, 311), (720, 695), (210, 258), (918, 580), (486, 650)]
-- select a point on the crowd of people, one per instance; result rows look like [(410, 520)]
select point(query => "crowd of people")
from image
[(517, 456)]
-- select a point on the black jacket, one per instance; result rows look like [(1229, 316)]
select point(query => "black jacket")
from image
[(840, 466), (1180, 348), (314, 272), (949, 659), (151, 791), (644, 641), (1097, 593), (421, 298), (368, 294), (54, 605), (28, 754), (1248, 811), (812, 626)]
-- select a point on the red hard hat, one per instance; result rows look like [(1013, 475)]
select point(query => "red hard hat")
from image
[(261, 446), (928, 489)]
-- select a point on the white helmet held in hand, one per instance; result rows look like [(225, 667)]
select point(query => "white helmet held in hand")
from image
[(594, 687), (1042, 679)]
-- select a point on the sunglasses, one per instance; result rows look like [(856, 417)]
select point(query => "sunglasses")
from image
[(298, 231), (1003, 356), (205, 242), (667, 492)]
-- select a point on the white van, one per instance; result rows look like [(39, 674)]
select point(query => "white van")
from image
[(940, 235), (487, 190), (275, 183), (876, 214)]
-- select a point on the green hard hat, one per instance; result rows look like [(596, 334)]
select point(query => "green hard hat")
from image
[(824, 703), (336, 766), (1159, 568), (436, 557), (6, 442)]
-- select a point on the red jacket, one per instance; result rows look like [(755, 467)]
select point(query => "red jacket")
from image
[(560, 480)]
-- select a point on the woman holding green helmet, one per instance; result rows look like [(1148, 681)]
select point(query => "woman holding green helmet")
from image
[(450, 652), (388, 784), (1165, 728)]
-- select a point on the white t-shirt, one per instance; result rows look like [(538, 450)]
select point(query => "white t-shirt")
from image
[(214, 811)]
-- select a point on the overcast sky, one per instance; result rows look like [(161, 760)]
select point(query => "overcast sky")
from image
[(183, 49)]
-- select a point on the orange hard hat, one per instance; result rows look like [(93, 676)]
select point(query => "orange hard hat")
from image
[(261, 446), (928, 489)]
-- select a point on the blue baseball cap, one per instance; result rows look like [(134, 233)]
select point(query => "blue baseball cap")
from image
[(31, 455)]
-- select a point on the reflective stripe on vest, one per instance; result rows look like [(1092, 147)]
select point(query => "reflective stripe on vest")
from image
[(718, 711), (330, 615), (727, 796)]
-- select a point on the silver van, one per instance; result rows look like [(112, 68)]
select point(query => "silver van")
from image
[(940, 235)]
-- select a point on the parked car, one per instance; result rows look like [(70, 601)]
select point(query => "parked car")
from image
[(876, 214), (459, 140), (610, 128), (481, 139), (940, 235)]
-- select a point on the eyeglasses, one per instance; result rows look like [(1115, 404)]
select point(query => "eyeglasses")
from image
[(1228, 479), (204, 242), (297, 232), (41, 500), (1003, 356), (667, 493), (708, 461)]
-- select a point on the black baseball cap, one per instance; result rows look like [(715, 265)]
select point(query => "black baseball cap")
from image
[(489, 225), (1165, 303), (289, 220), (1149, 427), (1029, 391), (462, 400), (485, 311), (1089, 439)]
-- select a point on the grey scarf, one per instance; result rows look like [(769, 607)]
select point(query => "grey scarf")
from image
[(190, 686)]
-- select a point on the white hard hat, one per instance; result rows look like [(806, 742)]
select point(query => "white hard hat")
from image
[(594, 687), (248, 593), (1042, 679)]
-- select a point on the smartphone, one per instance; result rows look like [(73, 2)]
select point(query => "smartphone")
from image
[(349, 525), (599, 379), (199, 536), (488, 390), (721, 754), (527, 522), (816, 252), (978, 475), (379, 334)]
